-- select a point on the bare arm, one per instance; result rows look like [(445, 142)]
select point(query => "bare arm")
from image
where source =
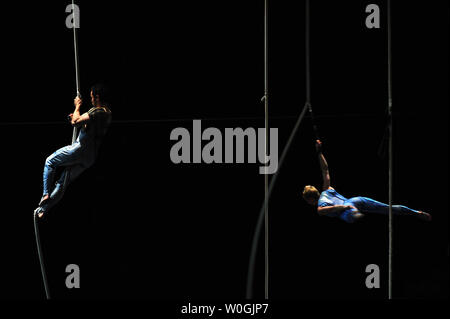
[(76, 119), (333, 209), (323, 166)]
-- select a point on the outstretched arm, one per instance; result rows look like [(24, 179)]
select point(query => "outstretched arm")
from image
[(323, 166), (76, 118), (333, 209)]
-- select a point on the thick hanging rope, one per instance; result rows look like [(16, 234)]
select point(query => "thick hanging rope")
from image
[(307, 57), (262, 213), (40, 254), (390, 145), (75, 46), (256, 235), (77, 69), (313, 121), (74, 137), (266, 142), (77, 79), (308, 70)]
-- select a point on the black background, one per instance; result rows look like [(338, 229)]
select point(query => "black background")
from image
[(140, 226)]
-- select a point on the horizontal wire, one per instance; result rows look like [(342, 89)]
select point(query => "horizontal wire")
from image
[(132, 121)]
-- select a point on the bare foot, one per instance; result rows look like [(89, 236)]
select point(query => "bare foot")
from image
[(358, 215), (39, 212), (424, 216), (44, 199)]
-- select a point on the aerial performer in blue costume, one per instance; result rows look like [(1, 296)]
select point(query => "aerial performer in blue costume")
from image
[(331, 203)]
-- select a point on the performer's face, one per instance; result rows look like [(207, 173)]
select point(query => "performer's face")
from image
[(93, 100)]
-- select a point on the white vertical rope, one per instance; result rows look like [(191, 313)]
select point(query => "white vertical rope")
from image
[(74, 137), (266, 176), (307, 54), (390, 146), (77, 79), (77, 72), (40, 254), (259, 223)]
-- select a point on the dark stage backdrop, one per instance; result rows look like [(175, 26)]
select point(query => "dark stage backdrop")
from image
[(140, 226)]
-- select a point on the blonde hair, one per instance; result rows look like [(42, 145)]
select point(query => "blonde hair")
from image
[(310, 192)]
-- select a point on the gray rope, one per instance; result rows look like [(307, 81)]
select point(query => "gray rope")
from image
[(390, 147), (308, 68), (74, 137), (41, 256), (77, 71), (75, 44), (77, 81), (307, 55), (264, 209), (266, 176), (256, 235)]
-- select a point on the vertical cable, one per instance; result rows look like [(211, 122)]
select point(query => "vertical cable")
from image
[(308, 69), (74, 137), (263, 214), (77, 72), (41, 256), (390, 144), (266, 176), (77, 79), (259, 223), (307, 59)]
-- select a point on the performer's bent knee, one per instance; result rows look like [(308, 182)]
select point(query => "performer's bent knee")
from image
[(49, 162)]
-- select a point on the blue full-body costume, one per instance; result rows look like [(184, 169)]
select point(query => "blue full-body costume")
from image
[(365, 205)]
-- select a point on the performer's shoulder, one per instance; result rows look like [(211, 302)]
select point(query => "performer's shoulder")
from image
[(92, 110), (327, 191), (96, 109)]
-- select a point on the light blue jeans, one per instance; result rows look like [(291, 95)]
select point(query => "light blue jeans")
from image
[(75, 159), (369, 206)]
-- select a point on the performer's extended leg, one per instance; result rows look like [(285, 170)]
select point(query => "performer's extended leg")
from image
[(65, 156), (368, 205), (59, 189), (72, 156)]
